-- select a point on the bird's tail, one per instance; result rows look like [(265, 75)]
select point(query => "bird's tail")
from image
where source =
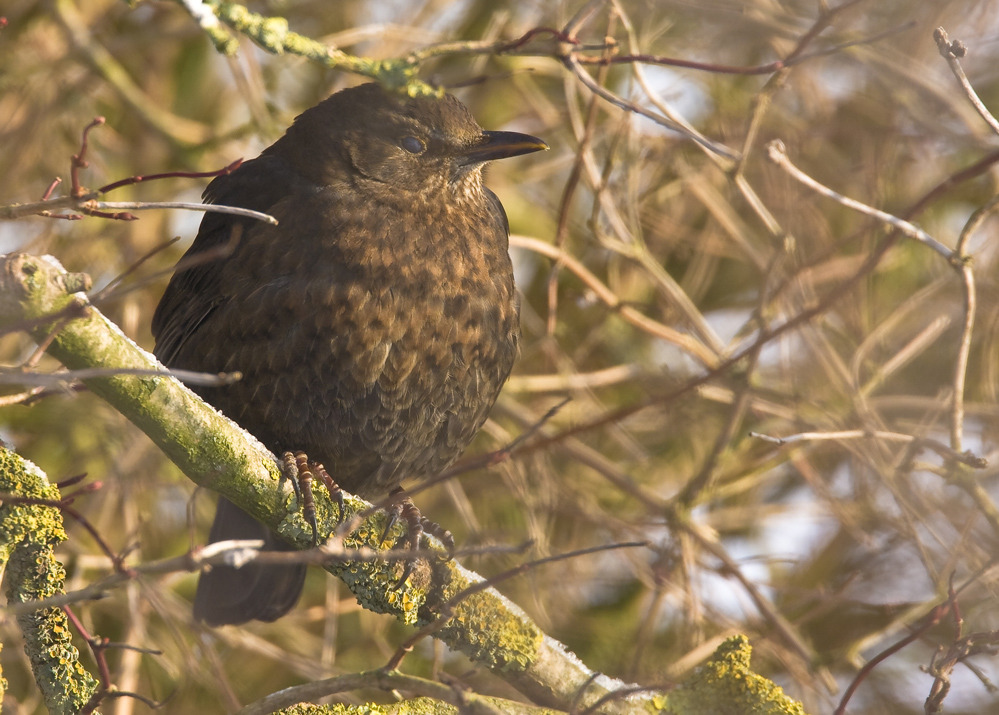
[(228, 595)]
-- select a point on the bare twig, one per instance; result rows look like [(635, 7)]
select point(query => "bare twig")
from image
[(963, 264), (189, 206), (565, 203), (935, 615), (102, 295), (391, 681), (576, 380), (79, 160), (86, 201), (139, 178), (98, 647), (89, 204), (687, 343), (952, 51), (778, 155), (20, 397), (235, 553), (55, 379), (769, 68), (943, 450), (571, 62)]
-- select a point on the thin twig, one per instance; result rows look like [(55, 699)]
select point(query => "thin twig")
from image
[(187, 205), (573, 64), (935, 615), (641, 321), (86, 201), (778, 155), (952, 51), (97, 648), (576, 380), (769, 68), (466, 703), (79, 160), (565, 203), (102, 295), (18, 398), (237, 553), (138, 178), (188, 377), (943, 450), (963, 263), (963, 353), (64, 507)]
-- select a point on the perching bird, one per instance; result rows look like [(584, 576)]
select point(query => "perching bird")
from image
[(373, 326)]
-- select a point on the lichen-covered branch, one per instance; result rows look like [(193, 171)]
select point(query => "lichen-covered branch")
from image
[(411, 706), (725, 685), (426, 696), (28, 534), (273, 35)]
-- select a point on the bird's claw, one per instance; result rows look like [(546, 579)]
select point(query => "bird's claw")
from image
[(301, 471), (416, 526)]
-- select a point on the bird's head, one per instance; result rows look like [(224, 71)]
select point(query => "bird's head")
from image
[(396, 146)]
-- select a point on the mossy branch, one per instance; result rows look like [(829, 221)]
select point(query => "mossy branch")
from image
[(399, 74), (28, 535), (414, 706), (426, 696), (37, 295), (272, 34)]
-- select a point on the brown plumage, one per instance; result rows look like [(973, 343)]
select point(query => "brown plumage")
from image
[(374, 326)]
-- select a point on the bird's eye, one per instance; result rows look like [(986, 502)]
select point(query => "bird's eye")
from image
[(412, 145)]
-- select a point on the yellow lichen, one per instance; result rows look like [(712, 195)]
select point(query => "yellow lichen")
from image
[(726, 686)]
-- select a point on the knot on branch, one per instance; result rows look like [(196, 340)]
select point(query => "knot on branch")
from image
[(22, 275)]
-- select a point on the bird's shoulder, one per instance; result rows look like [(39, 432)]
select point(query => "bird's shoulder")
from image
[(195, 289)]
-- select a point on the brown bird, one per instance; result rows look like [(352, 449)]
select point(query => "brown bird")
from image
[(373, 327)]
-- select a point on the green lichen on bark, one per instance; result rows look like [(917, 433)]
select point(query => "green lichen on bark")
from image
[(412, 706), (726, 686), (486, 628), (375, 583), (28, 534), (274, 36), (415, 706)]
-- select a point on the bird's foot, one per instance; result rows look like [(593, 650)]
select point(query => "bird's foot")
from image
[(301, 471), (416, 526)]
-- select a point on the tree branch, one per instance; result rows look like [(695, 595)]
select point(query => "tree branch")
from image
[(28, 535)]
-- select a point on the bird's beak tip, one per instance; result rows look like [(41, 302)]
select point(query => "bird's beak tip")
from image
[(502, 145)]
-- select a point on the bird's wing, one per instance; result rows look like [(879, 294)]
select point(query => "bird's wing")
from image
[(497, 210), (195, 291)]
